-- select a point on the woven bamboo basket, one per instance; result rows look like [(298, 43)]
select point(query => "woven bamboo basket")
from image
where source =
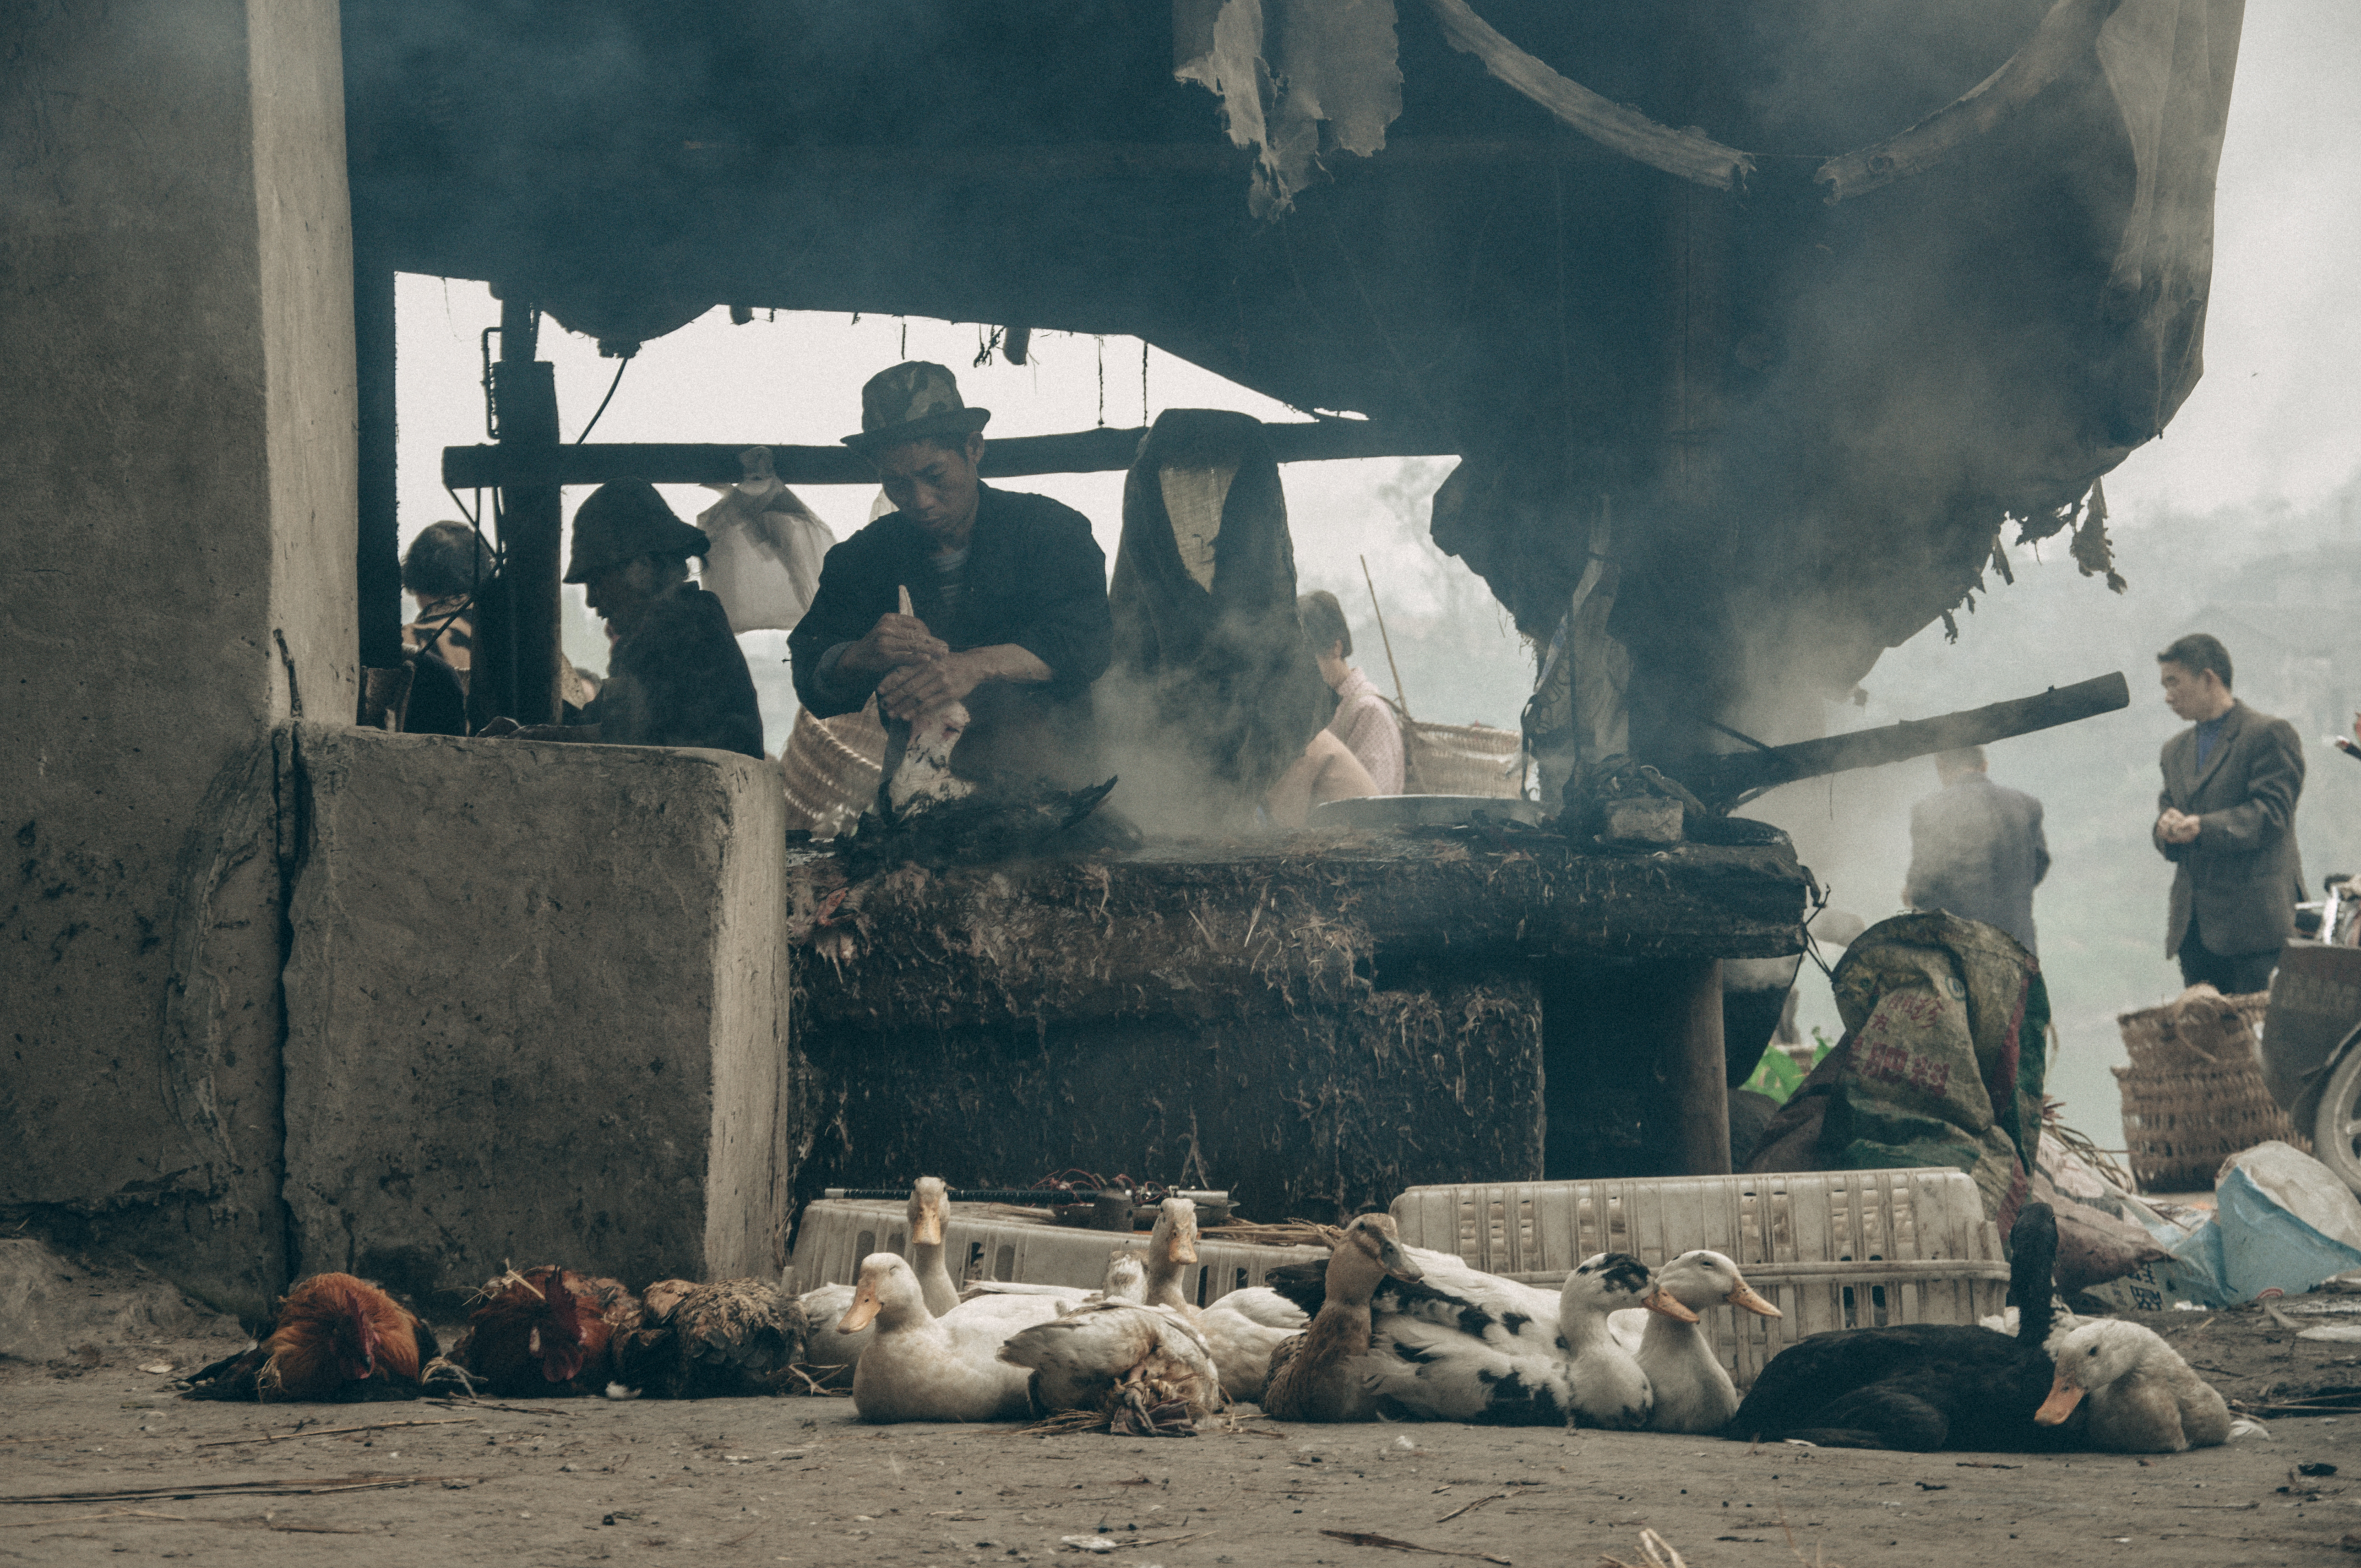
[(830, 768), (1462, 758), (2193, 1094)]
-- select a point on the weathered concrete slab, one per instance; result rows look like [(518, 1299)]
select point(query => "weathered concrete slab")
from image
[(536, 1009), (177, 493)]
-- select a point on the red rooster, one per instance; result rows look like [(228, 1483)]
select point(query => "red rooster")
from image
[(335, 1338), (548, 1331)]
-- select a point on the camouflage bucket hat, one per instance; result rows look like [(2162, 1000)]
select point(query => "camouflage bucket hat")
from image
[(913, 401), (625, 519)]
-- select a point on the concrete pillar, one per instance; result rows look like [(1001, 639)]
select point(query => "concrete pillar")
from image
[(537, 1012), (176, 525)]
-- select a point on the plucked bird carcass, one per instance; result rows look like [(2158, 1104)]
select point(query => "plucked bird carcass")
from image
[(334, 1338), (547, 1331), (1144, 1368), (730, 1339)]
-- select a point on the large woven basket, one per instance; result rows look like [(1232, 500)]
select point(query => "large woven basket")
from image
[(1462, 758), (2193, 1094), (831, 768)]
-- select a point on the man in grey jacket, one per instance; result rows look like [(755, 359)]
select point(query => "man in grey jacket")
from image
[(1976, 847), (2226, 820)]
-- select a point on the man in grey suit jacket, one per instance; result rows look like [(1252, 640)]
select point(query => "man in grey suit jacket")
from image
[(1976, 847), (2226, 819)]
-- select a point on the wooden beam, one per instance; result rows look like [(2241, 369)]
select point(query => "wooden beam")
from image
[(1702, 1108), (1724, 778), (1106, 450)]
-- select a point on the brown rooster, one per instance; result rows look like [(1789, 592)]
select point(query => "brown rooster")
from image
[(335, 1338), (726, 1339), (548, 1331)]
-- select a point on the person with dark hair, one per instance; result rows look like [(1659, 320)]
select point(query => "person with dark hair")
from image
[(443, 569), (675, 676), (1976, 847), (1364, 722), (1007, 592), (2226, 820)]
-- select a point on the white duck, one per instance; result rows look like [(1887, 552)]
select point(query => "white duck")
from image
[(1143, 1368), (921, 1368), (929, 1213), (1261, 1304), (2143, 1399), (1693, 1390)]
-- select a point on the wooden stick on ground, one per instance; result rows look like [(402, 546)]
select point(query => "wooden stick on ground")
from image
[(331, 1431), (291, 1489), (1363, 1538)]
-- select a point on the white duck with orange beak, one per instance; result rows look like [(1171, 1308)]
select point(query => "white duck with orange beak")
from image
[(921, 1368), (1691, 1388), (2142, 1397)]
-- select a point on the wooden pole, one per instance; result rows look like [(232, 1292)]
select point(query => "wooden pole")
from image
[(524, 392), (1400, 696), (1724, 778), (1701, 1070), (1104, 451)]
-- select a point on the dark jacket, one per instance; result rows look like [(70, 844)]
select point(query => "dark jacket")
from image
[(2242, 879), (1035, 577), (1977, 851), (679, 679)]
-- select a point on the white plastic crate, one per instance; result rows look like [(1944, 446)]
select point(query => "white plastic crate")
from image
[(1833, 1249), (984, 1243)]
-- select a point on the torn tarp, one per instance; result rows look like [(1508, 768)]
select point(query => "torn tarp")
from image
[(1296, 78)]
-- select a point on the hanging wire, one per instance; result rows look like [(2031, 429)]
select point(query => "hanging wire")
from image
[(1102, 342), (610, 398), (1142, 381), (905, 336)]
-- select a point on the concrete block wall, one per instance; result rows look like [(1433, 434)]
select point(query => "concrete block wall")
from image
[(177, 482), (536, 1012)]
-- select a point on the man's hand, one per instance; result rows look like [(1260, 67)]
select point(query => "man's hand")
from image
[(894, 643), (2176, 826), (947, 678)]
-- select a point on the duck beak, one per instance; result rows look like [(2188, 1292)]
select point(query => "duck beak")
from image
[(861, 1313), (1745, 1296), (1183, 1248), (926, 1229), (1658, 1300), (1397, 1261), (2063, 1397)]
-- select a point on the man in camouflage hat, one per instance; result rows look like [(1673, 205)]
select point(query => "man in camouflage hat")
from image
[(676, 677), (1007, 591)]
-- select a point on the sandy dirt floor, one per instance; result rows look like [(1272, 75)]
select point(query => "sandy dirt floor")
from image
[(803, 1481)]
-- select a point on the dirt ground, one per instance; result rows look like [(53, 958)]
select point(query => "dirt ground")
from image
[(803, 1481)]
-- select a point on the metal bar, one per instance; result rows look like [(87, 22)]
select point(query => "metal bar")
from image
[(1077, 451)]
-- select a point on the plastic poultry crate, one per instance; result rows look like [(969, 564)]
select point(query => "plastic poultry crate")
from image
[(1831, 1249), (988, 1242)]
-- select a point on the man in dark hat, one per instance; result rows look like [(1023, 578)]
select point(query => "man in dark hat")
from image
[(1007, 593), (676, 677)]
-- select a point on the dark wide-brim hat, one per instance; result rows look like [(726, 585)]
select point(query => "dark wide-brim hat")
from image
[(626, 520), (915, 400)]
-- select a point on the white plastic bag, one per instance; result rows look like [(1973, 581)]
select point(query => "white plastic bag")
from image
[(767, 548)]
